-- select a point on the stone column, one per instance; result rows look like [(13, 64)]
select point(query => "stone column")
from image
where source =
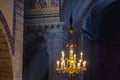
[(53, 34), (18, 38), (54, 46)]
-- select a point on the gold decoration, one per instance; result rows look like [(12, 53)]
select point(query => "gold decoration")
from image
[(72, 64)]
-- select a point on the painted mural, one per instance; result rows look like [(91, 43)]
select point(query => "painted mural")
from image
[(54, 3), (46, 10), (35, 4), (38, 4)]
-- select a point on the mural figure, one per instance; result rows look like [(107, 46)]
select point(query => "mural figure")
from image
[(38, 4), (54, 3), (43, 3)]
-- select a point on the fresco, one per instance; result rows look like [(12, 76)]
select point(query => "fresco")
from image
[(34, 4), (38, 4), (42, 10), (54, 3)]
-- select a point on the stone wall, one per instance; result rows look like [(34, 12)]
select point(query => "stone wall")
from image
[(6, 6)]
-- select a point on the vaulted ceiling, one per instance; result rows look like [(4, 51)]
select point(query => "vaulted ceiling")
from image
[(106, 22)]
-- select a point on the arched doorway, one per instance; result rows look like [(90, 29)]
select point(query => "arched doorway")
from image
[(35, 57), (106, 48), (6, 71)]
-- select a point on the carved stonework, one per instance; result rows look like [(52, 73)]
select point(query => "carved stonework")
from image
[(44, 26)]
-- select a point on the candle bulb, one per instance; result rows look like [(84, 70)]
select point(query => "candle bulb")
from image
[(84, 64), (80, 60), (61, 65), (78, 65), (74, 65), (81, 55), (58, 64), (71, 51), (74, 57), (63, 54)]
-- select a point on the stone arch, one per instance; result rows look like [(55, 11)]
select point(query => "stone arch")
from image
[(105, 54), (97, 12), (6, 67), (35, 56), (89, 8)]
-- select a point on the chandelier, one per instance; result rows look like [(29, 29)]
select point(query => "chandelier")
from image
[(72, 64)]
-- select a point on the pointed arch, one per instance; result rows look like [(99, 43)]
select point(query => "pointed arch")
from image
[(6, 70)]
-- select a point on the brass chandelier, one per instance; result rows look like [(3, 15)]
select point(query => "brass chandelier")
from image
[(72, 64)]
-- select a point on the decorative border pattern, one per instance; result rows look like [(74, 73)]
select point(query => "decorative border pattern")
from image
[(14, 25), (44, 10), (44, 26)]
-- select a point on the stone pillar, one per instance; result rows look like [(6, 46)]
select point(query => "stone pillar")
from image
[(18, 38), (53, 34), (54, 46)]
